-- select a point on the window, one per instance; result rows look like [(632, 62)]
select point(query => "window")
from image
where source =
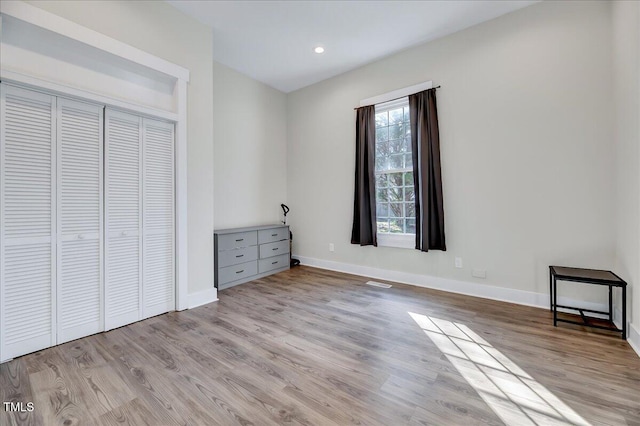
[(392, 193), (395, 199)]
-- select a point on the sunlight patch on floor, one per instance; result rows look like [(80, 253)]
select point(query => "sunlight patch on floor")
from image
[(511, 393)]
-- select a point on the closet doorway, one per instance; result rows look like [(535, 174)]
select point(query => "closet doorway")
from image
[(87, 219)]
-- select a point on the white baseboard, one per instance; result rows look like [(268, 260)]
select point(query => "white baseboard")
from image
[(634, 338), (203, 297), (504, 294), (520, 297)]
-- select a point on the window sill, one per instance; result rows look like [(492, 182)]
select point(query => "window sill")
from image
[(407, 241)]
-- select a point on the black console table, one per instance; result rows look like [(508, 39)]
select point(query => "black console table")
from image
[(588, 276)]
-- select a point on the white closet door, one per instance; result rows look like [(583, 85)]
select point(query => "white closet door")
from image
[(123, 224), (158, 218), (79, 284), (27, 221)]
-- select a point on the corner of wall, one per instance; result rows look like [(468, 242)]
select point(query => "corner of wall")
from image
[(634, 339), (626, 87)]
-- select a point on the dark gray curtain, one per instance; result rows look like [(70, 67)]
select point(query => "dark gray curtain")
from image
[(427, 176), (364, 205)]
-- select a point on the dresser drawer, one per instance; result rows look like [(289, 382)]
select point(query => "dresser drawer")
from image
[(274, 249), (235, 256), (237, 240), (277, 262), (271, 235), (237, 272)]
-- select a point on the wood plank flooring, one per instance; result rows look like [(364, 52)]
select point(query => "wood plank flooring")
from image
[(313, 347)]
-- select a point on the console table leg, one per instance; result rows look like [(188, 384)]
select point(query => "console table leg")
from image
[(624, 312), (550, 290), (555, 302), (610, 304)]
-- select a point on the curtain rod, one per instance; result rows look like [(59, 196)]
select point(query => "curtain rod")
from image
[(437, 87)]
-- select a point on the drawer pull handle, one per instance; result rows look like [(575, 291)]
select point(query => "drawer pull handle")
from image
[(273, 263), (240, 255), (274, 249), (274, 235), (241, 239), (239, 272)]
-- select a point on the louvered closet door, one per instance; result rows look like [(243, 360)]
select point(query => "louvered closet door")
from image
[(123, 222), (79, 284), (27, 221), (158, 218)]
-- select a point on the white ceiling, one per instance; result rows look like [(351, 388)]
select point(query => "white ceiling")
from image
[(273, 41)]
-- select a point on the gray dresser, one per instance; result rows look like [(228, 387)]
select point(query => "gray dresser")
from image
[(245, 254)]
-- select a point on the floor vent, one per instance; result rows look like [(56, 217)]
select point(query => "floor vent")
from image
[(377, 284)]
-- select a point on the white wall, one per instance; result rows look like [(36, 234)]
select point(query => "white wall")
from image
[(626, 73), (525, 119), (250, 150), (158, 28), (526, 114)]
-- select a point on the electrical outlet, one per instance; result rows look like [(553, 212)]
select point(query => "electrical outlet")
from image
[(479, 273), (332, 247), (458, 262)]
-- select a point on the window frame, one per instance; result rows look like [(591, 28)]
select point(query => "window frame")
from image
[(399, 239), (396, 240)]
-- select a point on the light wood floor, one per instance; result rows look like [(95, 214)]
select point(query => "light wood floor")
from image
[(315, 347)]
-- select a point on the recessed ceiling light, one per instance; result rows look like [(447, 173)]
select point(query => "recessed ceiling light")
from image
[(319, 49)]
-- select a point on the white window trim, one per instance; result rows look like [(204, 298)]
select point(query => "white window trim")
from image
[(406, 241), (49, 21), (395, 94)]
